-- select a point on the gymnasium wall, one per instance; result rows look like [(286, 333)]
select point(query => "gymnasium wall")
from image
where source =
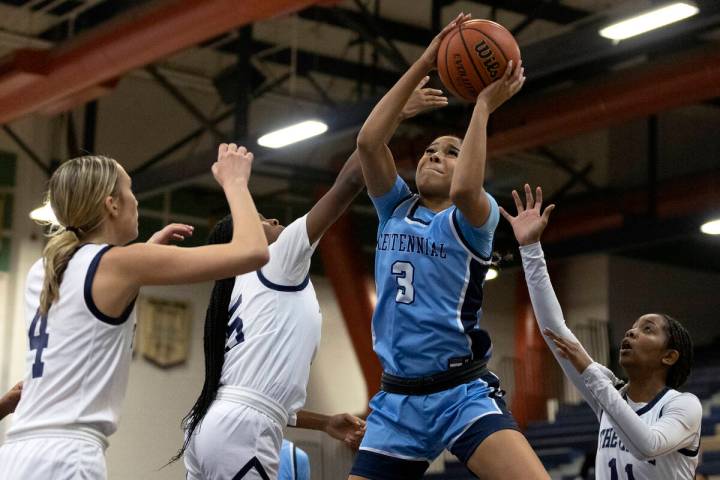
[(638, 287)]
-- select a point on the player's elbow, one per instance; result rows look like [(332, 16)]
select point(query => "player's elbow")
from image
[(462, 194), (256, 257), (262, 256), (643, 452), (366, 142)]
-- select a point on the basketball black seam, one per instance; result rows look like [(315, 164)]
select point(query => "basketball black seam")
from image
[(467, 50), (505, 57), (447, 67)]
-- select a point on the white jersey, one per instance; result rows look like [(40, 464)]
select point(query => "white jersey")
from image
[(615, 461), (659, 440), (274, 324), (79, 358)]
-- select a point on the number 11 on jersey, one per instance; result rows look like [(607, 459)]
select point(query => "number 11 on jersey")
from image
[(404, 273)]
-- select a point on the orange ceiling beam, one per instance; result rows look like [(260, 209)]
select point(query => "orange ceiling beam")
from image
[(140, 37), (672, 82), (691, 195)]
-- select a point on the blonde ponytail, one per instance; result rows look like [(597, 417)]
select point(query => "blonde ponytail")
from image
[(77, 193)]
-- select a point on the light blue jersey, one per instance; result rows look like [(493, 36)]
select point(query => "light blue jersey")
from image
[(429, 270)]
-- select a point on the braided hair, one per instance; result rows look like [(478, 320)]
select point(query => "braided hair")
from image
[(216, 319), (678, 339)]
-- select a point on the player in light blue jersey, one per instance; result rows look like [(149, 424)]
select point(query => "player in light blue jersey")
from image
[(433, 251)]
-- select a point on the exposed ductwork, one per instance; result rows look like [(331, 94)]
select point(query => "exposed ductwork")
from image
[(32, 80)]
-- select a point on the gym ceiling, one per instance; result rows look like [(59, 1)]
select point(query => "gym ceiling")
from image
[(624, 136)]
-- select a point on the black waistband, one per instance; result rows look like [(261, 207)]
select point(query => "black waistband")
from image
[(433, 383)]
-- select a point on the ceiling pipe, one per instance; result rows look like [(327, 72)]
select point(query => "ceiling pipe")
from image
[(142, 36), (631, 93)]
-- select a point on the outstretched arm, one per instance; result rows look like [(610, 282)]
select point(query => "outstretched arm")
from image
[(675, 430), (126, 269), (377, 162), (528, 226), (347, 428), (678, 426), (350, 182), (466, 190)]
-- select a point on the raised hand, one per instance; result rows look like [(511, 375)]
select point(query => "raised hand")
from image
[(233, 164), (423, 100), (347, 428), (429, 56), (502, 89), (529, 224), (173, 231)]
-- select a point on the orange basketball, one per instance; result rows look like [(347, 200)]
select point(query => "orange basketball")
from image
[(474, 55)]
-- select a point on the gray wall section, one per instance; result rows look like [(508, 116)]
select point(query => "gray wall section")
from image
[(639, 287)]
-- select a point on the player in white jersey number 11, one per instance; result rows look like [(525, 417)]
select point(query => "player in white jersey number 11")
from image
[(648, 430)]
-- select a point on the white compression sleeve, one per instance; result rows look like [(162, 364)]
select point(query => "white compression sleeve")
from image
[(549, 314), (676, 429)]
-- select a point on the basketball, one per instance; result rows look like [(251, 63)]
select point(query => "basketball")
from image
[(474, 55)]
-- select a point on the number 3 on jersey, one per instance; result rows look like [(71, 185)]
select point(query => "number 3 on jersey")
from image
[(404, 273), (38, 342)]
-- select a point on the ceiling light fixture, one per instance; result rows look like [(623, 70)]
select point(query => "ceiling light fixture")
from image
[(711, 228), (292, 134), (647, 21)]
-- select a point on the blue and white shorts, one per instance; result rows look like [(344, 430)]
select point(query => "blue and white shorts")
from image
[(406, 432)]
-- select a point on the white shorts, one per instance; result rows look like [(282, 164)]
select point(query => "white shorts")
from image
[(52, 459), (234, 442)]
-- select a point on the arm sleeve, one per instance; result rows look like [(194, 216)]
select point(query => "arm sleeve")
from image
[(387, 203), (548, 314), (676, 428), (290, 256), (478, 239)]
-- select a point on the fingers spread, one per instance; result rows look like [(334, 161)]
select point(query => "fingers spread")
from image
[(518, 203), (506, 215), (538, 198), (528, 197), (548, 210)]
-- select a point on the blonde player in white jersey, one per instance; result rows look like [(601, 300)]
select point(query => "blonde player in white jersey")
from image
[(262, 331), (648, 430), (79, 307)]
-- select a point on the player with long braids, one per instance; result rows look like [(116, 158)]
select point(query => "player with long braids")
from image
[(262, 330)]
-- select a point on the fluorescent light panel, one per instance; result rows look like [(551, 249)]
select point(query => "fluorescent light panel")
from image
[(711, 228), (44, 214), (649, 21), (292, 134)]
